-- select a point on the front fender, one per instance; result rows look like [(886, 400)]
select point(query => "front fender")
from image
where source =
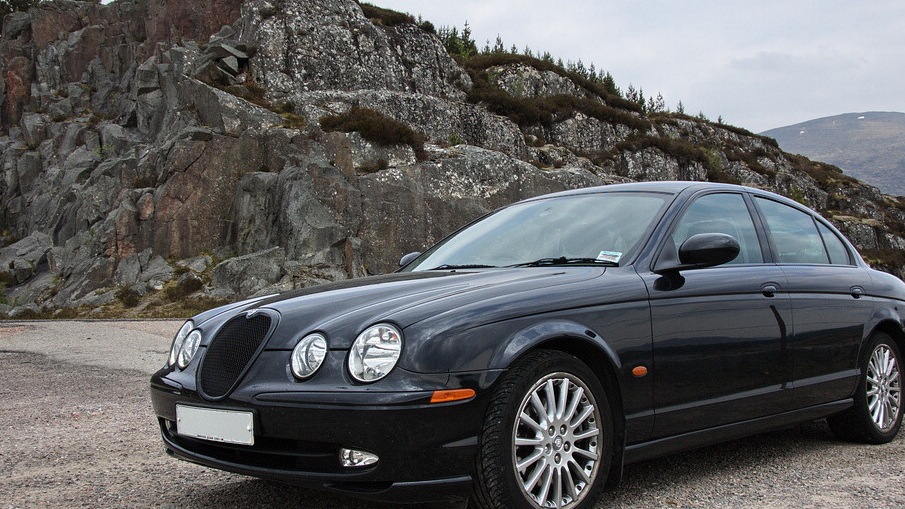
[(537, 334), (494, 346), (612, 338)]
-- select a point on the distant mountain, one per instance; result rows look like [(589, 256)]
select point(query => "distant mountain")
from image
[(868, 146)]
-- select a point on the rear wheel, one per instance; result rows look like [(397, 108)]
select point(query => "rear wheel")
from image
[(877, 413), (547, 437)]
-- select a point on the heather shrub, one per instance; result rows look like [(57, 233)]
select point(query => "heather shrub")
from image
[(375, 127)]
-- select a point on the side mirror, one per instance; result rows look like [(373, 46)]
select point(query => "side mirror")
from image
[(701, 251), (409, 258), (708, 249)]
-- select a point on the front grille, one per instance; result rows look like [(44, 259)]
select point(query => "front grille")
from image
[(230, 352)]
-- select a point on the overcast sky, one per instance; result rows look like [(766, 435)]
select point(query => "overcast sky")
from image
[(759, 64)]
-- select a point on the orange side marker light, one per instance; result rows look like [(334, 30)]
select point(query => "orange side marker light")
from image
[(639, 371), (448, 396)]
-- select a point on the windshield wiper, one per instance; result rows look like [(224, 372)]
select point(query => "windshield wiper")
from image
[(447, 266), (562, 260)]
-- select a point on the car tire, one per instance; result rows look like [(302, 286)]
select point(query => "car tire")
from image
[(550, 414), (876, 416)]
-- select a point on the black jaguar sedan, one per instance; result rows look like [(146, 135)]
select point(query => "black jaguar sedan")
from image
[(526, 358)]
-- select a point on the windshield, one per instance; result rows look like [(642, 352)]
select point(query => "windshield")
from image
[(599, 228)]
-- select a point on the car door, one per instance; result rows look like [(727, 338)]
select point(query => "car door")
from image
[(829, 303), (719, 334)]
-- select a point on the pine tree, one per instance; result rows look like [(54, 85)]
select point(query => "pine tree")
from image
[(636, 96), (656, 104), (498, 47), (631, 94), (609, 84), (456, 43), (580, 69), (449, 36), (469, 48)]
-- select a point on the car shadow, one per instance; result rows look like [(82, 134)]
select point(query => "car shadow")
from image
[(650, 483), (251, 493), (723, 464)]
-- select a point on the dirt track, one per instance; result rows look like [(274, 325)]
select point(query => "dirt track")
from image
[(76, 430)]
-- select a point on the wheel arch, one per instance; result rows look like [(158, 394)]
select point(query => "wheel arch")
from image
[(605, 368), (593, 357), (592, 350)]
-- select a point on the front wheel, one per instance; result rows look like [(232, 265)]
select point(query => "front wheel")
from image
[(548, 436), (876, 415)]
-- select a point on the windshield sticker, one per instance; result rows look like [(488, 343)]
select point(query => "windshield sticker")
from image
[(609, 256)]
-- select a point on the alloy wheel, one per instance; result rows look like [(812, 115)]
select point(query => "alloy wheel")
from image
[(557, 441), (884, 388)]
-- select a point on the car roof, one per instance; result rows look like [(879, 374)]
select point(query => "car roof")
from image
[(669, 187)]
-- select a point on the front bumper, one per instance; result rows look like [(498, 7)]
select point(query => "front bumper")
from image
[(426, 450)]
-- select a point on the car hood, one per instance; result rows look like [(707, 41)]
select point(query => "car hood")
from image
[(342, 310)]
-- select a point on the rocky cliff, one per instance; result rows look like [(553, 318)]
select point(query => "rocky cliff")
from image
[(164, 154)]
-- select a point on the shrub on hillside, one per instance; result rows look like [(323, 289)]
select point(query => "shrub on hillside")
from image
[(375, 127), (478, 63), (385, 17)]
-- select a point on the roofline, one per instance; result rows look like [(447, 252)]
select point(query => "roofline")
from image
[(669, 187)]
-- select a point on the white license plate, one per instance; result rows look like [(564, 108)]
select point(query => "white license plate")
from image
[(225, 426)]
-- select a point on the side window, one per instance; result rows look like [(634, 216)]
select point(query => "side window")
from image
[(836, 249), (721, 213), (794, 233)]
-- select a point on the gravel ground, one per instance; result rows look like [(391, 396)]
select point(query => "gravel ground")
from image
[(76, 430)]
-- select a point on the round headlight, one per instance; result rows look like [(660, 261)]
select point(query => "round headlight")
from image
[(178, 340), (189, 347), (308, 355), (375, 352)]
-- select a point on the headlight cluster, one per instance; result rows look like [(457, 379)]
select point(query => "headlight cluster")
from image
[(308, 355), (373, 354), (185, 344)]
